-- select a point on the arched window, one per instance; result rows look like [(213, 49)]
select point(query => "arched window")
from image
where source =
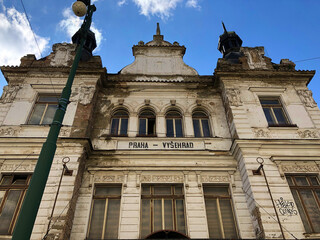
[(200, 124), (147, 123), (174, 124), (119, 123)]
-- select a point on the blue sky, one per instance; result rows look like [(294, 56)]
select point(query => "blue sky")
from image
[(286, 28)]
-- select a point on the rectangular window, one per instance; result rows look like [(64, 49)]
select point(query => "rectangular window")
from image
[(162, 208), (221, 221), (44, 110), (12, 192), (306, 194), (274, 112), (105, 212)]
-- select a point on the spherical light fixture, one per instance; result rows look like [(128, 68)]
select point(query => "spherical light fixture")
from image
[(79, 8)]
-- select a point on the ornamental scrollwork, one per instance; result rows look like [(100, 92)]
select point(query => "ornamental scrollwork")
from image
[(108, 178), (300, 168), (9, 93), (233, 96), (215, 179), (261, 133), (8, 131), (308, 134), (17, 167), (162, 178), (306, 98)]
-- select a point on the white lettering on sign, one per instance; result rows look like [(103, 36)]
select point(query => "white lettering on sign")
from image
[(162, 145)]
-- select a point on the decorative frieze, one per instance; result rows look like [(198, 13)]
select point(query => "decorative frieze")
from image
[(84, 94), (162, 178), (295, 168), (233, 96), (261, 133), (17, 167), (214, 179), (8, 131), (9, 93), (306, 98), (108, 178), (308, 134), (64, 132)]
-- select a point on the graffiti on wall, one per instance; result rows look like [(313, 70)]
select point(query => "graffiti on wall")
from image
[(286, 208)]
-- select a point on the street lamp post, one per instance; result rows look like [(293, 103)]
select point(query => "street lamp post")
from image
[(30, 206)]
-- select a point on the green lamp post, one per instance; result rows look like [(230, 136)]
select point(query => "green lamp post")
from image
[(86, 43)]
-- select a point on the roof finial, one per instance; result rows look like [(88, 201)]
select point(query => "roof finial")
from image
[(158, 29), (224, 27)]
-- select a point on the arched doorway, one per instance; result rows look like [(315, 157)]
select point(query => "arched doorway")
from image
[(167, 234)]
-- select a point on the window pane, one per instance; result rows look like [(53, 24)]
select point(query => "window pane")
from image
[(179, 128), (48, 116), (124, 126), (6, 180), (2, 193), (48, 99), (290, 182), (142, 126), (280, 115), (199, 114), (170, 132), (145, 218), (216, 191), (314, 181), (109, 191), (151, 126), (301, 211), (180, 216), (162, 190), (267, 113), (177, 190), (121, 114), (205, 127), (227, 219), (115, 126), (312, 208), (97, 218), (302, 181), (8, 210), (213, 218), (145, 190), (269, 101), (196, 128), (112, 221), (37, 114), (168, 214), (157, 215)]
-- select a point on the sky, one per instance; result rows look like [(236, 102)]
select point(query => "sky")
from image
[(286, 28)]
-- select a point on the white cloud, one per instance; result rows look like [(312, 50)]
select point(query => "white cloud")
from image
[(193, 4), (16, 37), (160, 8), (72, 23), (121, 2)]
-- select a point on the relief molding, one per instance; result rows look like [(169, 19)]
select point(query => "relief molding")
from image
[(306, 98), (83, 94), (308, 134), (263, 133), (17, 167), (8, 131), (233, 96), (108, 178), (207, 178), (162, 178), (9, 93), (300, 168)]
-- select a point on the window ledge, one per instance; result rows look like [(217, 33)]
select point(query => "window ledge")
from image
[(150, 135), (283, 125), (5, 237), (312, 235)]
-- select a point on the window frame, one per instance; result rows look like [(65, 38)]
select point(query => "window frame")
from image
[(147, 118), (298, 188), (173, 118), (106, 198), (9, 187), (275, 122), (173, 196), (120, 118), (217, 197), (200, 123), (47, 103)]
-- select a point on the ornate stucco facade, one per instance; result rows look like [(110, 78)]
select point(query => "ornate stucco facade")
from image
[(222, 128)]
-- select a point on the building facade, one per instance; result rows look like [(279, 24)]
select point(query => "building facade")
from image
[(159, 151)]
